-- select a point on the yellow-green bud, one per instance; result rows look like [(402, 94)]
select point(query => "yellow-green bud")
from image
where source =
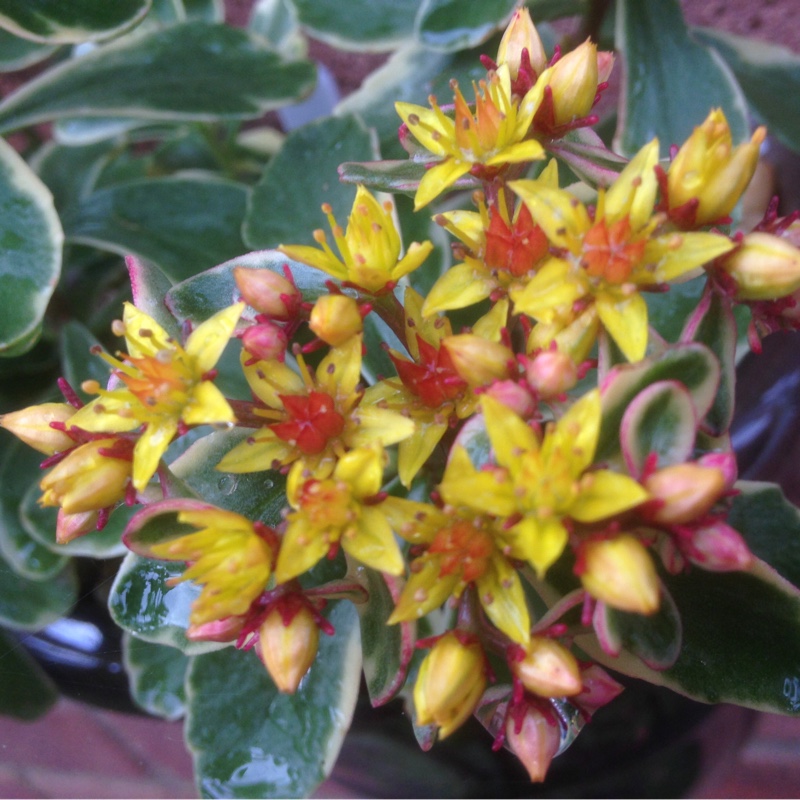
[(548, 669), (288, 648), (765, 267), (534, 741), (335, 318), (521, 34), (573, 81), (477, 360), (32, 426), (685, 492)]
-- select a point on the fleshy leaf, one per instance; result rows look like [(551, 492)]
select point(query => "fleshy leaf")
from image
[(301, 177), (191, 71), (671, 81), (692, 364), (249, 740), (767, 73), (30, 258), (17, 53), (367, 25), (78, 364), (387, 176), (26, 691), (183, 224), (201, 296), (149, 286), (454, 25), (56, 22), (157, 674), (661, 419)]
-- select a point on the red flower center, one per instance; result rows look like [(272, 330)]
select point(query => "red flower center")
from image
[(434, 379), (313, 421), (609, 253)]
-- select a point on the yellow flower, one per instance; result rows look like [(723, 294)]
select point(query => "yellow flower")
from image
[(314, 417), (461, 549), (344, 509), (502, 249), (229, 556), (164, 386), (451, 680), (709, 173), (606, 259), (369, 249), (540, 481), (483, 142)]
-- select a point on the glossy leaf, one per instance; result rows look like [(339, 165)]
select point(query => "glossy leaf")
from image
[(713, 324), (191, 71), (30, 251), (156, 674), (661, 419), (17, 53), (693, 365), (248, 740), (26, 691), (200, 297), (301, 177), (57, 22), (149, 286), (386, 649), (671, 81), (454, 25), (184, 225), (767, 73), (385, 176), (277, 22), (19, 469), (367, 25)]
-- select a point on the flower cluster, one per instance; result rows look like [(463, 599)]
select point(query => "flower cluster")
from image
[(509, 480)]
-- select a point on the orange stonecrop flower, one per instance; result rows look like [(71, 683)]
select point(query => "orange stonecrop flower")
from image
[(162, 386)]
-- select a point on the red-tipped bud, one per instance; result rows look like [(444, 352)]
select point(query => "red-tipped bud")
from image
[(335, 318), (218, 630), (684, 492), (266, 341), (550, 373), (288, 641), (515, 397), (599, 689), (719, 548), (725, 462), (521, 34), (71, 526), (534, 739), (267, 292), (547, 669)]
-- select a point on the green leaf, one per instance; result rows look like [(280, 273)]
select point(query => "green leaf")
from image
[(30, 251), (367, 25), (19, 469), (387, 649), (691, 364), (157, 674), (277, 22), (17, 53), (249, 740), (78, 363), (143, 603), (455, 25), (767, 73), (410, 75), (200, 297), (385, 176), (31, 605), (26, 691), (714, 324), (183, 224), (671, 81), (149, 286), (285, 204), (57, 22), (661, 419), (191, 71)]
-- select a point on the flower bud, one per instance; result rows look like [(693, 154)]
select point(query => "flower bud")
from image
[(218, 630), (87, 479), (599, 689), (547, 669), (521, 34), (709, 169), (534, 739), (71, 526), (451, 680), (477, 360), (573, 81), (683, 492), (513, 396), (719, 548), (725, 462), (335, 318), (550, 373), (267, 292), (288, 641), (32, 426), (266, 341), (765, 267), (620, 573)]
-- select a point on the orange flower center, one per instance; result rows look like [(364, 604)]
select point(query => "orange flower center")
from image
[(463, 548), (160, 381), (516, 248), (326, 504), (609, 253), (313, 421)]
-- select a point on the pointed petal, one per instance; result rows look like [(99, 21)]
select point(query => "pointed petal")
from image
[(257, 454), (439, 178), (605, 493), (373, 542), (270, 379), (625, 319), (431, 129), (677, 254), (528, 150), (317, 258), (340, 371), (425, 591), (489, 492), (379, 425), (206, 343), (301, 548), (541, 541), (148, 451), (141, 332), (414, 451), (556, 211), (511, 436), (503, 599), (575, 434), (552, 291), (459, 287), (633, 193), (361, 470), (207, 406)]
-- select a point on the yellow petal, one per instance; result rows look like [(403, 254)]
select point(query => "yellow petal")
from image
[(361, 470), (142, 333), (437, 179), (379, 425), (257, 454), (633, 193), (148, 450), (511, 436), (316, 258), (425, 591), (681, 253), (481, 490), (301, 548), (503, 599), (459, 287), (431, 129), (414, 451), (206, 343), (556, 211), (207, 406), (605, 493), (340, 371), (551, 292), (373, 543), (542, 541), (625, 319)]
